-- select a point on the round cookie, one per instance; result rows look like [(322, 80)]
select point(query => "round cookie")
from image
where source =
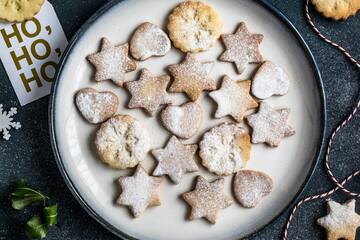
[(337, 9), (122, 142), (194, 26), (225, 149), (19, 10), (149, 40), (251, 186)]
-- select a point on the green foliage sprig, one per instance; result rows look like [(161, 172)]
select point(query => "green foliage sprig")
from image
[(23, 196)]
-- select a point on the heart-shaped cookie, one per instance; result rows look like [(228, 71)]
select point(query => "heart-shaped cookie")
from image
[(269, 80), (96, 107), (251, 186), (149, 40), (183, 121)]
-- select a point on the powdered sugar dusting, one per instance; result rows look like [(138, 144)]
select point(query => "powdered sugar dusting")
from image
[(96, 107), (269, 80), (149, 40), (192, 77), (184, 121), (207, 199), (122, 142), (342, 220), (242, 47), (112, 62), (251, 186), (225, 149), (149, 92), (175, 159), (270, 125), (139, 191), (233, 98), (194, 26)]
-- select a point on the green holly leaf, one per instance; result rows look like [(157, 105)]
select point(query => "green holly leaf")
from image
[(25, 195), (51, 214), (35, 228)]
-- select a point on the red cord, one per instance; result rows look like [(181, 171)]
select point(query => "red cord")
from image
[(339, 185)]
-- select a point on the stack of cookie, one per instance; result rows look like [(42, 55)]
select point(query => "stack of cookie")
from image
[(123, 142)]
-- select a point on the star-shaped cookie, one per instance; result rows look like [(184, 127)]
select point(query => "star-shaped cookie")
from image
[(270, 125), (175, 159), (242, 48), (207, 199), (192, 77), (112, 62), (233, 98), (341, 221), (139, 191), (149, 92)]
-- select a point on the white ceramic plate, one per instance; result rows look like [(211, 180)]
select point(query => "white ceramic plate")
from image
[(93, 183)]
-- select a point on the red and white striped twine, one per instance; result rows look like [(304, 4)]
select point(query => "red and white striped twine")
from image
[(339, 185)]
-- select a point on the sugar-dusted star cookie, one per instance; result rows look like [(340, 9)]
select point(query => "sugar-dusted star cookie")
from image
[(270, 125), (112, 62), (207, 199), (233, 98), (341, 221), (175, 159), (192, 77), (149, 92), (139, 191), (242, 47)]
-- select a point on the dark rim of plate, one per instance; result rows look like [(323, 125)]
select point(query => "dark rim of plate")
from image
[(72, 186)]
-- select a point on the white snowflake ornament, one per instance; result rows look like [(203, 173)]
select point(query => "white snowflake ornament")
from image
[(6, 122)]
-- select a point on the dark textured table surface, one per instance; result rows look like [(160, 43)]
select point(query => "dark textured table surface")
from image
[(28, 153)]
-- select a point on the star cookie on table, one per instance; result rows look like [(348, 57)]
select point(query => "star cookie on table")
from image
[(149, 92), (233, 98), (112, 62), (192, 77), (270, 125), (207, 199), (242, 48), (139, 191), (175, 159), (341, 221)]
